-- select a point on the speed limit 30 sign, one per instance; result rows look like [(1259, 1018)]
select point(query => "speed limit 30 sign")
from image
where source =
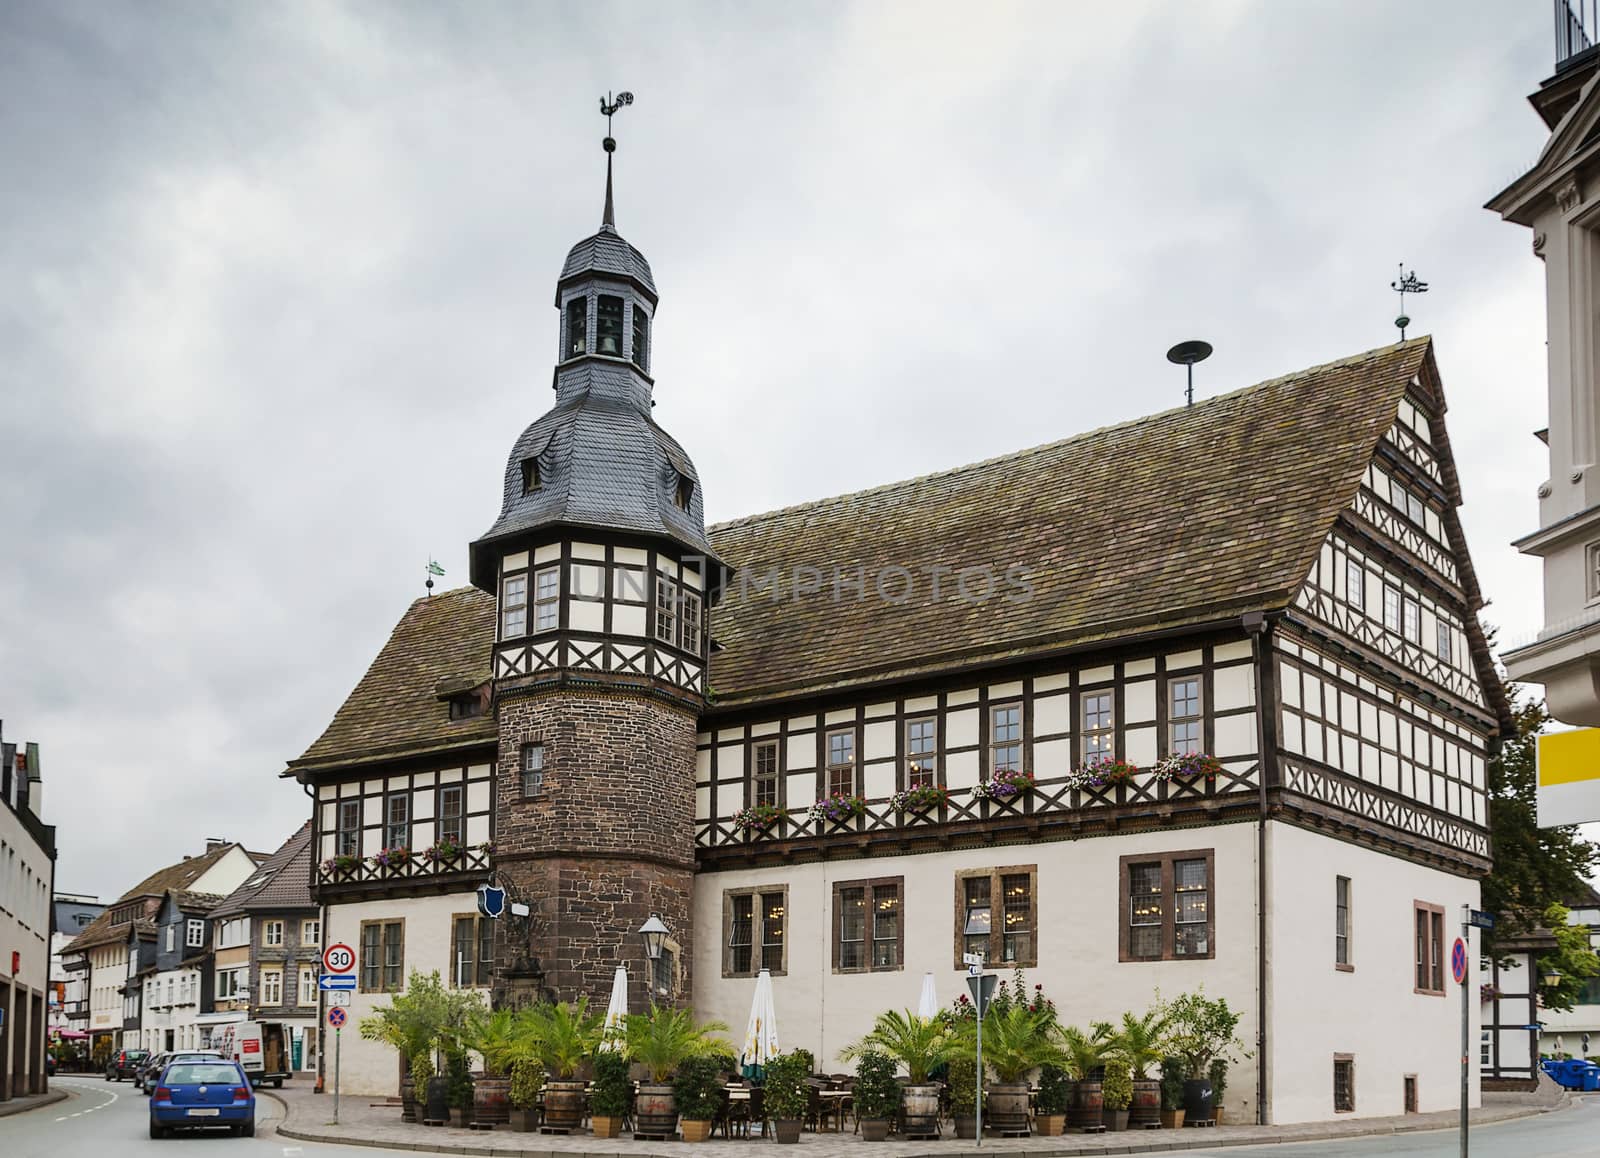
[(338, 958)]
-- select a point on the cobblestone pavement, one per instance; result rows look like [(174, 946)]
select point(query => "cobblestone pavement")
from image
[(361, 1122)]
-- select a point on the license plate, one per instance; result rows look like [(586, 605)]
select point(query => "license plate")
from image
[(204, 1113)]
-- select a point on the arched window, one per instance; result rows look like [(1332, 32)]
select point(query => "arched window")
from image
[(641, 339), (577, 326), (608, 326)]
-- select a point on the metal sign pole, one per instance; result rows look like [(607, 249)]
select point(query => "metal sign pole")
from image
[(1466, 1036), (338, 1041), (980, 1074)]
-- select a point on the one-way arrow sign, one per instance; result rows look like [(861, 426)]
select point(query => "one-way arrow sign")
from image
[(336, 981)]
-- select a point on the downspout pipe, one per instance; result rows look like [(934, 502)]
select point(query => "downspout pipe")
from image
[(1255, 623)]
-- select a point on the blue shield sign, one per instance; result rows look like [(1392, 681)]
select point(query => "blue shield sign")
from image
[(491, 900)]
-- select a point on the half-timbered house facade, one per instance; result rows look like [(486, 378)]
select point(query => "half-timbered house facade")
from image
[(1200, 699)]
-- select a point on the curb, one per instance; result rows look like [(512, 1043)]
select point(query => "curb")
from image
[(35, 1102)]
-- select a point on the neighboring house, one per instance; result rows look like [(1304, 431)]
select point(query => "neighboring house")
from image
[(27, 878), (106, 941), (69, 972), (175, 984), (273, 933), (1517, 1029), (1263, 601)]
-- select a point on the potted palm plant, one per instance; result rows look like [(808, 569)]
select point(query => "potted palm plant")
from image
[(564, 1037), (499, 1038), (877, 1097), (660, 1041), (1017, 1038), (697, 1090), (919, 1044), (527, 1079), (1173, 1074), (962, 1077), (608, 1102), (1140, 1041), (785, 1091), (1116, 1089), (1050, 1108), (1086, 1056)]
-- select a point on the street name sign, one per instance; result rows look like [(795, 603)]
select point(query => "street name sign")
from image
[(1478, 919)]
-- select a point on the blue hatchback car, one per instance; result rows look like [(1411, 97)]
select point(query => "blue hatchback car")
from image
[(196, 1095)]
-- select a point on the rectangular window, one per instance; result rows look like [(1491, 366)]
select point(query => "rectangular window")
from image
[(171, 938), (1355, 582), (397, 820), (452, 823), (1005, 739), (472, 952), (532, 770), (690, 621), (842, 762), (514, 605), (764, 779), (1344, 1084), (272, 934), (1183, 716), (867, 928), (546, 598), (1391, 607), (577, 326), (308, 986), (1008, 893), (641, 339), (1415, 509), (1099, 738), (1594, 571), (1445, 640), (922, 743), (1341, 921), (1411, 620), (350, 828), (1167, 901), (754, 922), (311, 932), (530, 476), (194, 936), (272, 987), (666, 610), (1429, 927), (382, 955), (608, 326)]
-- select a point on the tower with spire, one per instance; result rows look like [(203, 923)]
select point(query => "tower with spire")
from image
[(604, 579)]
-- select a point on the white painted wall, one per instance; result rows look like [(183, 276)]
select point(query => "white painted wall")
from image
[(1315, 1011)]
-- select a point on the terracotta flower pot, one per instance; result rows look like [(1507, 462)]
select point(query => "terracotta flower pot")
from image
[(606, 1127), (874, 1129), (1050, 1125), (1171, 1119), (695, 1131)]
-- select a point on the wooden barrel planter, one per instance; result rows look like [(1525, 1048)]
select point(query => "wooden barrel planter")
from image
[(655, 1112), (408, 1099), (1146, 1105), (919, 1111), (491, 1100), (563, 1106), (1087, 1107), (1006, 1108)]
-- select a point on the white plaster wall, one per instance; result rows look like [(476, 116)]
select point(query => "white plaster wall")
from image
[(1316, 1011), (25, 876), (1079, 906), (367, 1068)]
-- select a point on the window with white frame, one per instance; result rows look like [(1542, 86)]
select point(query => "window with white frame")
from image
[(272, 934), (764, 770), (842, 762), (311, 931), (546, 598), (272, 987), (532, 770), (1445, 641), (514, 605), (1005, 739), (922, 743), (1355, 582), (1099, 729), (308, 986), (1183, 715), (171, 938), (231, 983), (1411, 619), (1391, 607), (194, 935)]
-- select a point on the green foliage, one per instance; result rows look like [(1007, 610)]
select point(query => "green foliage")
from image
[(664, 1038), (1174, 1072), (610, 1096), (785, 1085), (918, 1043), (1117, 1086), (527, 1079), (810, 1061), (1572, 958), (1140, 1041), (1055, 1090), (460, 1079), (421, 1072), (963, 1079), (1083, 1053), (1218, 1073), (1533, 867), (425, 1017), (563, 1036), (500, 1038), (1018, 1038), (1202, 1028), (877, 1095), (696, 1087)]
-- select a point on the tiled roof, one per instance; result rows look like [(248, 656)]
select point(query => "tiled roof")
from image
[(1188, 516), (395, 707), (282, 882), (174, 877), (191, 902), (607, 253)]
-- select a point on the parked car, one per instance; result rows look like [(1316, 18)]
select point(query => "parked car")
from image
[(196, 1095), (151, 1070), (125, 1063)]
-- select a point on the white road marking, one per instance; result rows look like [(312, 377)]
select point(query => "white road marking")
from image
[(112, 1096)]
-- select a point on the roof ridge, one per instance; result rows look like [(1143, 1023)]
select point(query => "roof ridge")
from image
[(1125, 424)]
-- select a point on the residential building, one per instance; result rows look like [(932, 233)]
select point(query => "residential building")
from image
[(174, 982), (1196, 700), (269, 933), (27, 876), (69, 972)]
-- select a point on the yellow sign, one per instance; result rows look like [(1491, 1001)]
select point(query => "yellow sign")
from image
[(1569, 777)]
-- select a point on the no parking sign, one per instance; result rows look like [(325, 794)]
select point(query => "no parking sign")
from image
[(336, 1016), (1458, 961)]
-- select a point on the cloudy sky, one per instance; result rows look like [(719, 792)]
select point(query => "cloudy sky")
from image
[(276, 285)]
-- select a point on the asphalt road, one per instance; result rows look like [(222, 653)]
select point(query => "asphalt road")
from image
[(108, 1120)]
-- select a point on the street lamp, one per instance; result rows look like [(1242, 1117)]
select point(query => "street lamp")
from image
[(654, 932), (1551, 977)]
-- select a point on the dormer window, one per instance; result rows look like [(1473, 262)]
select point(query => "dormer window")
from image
[(465, 707), (530, 476), (577, 326), (641, 339), (683, 492), (608, 326)]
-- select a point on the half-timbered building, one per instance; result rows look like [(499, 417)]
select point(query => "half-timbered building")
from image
[(1200, 699)]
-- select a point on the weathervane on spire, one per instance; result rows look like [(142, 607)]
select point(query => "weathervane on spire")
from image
[(1406, 283), (609, 108)]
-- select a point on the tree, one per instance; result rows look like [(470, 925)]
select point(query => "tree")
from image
[(1534, 867), (1572, 958)]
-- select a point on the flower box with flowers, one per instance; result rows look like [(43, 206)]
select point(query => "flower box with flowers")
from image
[(391, 860), (1488, 992), (1004, 787), (758, 819), (837, 809), (342, 865), (921, 800), (1188, 768), (442, 853), (1106, 772)]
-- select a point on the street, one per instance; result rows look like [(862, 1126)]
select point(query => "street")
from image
[(107, 1121)]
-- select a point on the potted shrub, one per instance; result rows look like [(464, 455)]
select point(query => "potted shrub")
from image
[(1173, 1074), (1218, 1073), (1202, 1029), (564, 1037), (962, 1077), (1086, 1055), (877, 1097), (1017, 1038), (608, 1101), (661, 1041), (459, 1084), (785, 1090), (499, 1038), (1117, 1091), (697, 1090), (919, 1044), (1050, 1107), (527, 1078), (1140, 1041), (414, 1021)]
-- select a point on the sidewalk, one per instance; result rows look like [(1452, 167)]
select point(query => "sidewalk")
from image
[(308, 1117), (31, 1102)]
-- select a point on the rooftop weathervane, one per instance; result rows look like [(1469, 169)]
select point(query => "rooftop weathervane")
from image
[(609, 107), (1406, 283)]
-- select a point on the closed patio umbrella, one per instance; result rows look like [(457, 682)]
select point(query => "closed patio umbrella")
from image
[(617, 1010), (761, 1034), (928, 1004)]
